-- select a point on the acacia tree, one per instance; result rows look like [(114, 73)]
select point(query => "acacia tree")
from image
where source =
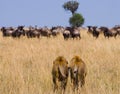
[(76, 20), (71, 6)]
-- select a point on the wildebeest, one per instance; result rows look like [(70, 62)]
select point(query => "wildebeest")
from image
[(7, 31), (18, 32), (78, 72), (94, 31), (71, 32), (117, 28), (13, 32), (113, 32), (45, 31), (60, 73), (33, 32), (56, 30), (90, 29), (109, 32), (66, 34), (75, 33)]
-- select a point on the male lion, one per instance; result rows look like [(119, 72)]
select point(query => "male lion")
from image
[(60, 73), (77, 72)]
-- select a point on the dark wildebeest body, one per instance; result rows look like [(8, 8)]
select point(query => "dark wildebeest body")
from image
[(33, 32), (117, 29), (78, 72), (56, 31), (106, 32), (18, 32), (90, 29), (53, 31), (46, 32), (109, 32), (94, 31), (7, 31), (66, 34), (60, 73), (74, 33)]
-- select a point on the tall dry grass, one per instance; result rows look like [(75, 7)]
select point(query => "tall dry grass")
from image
[(25, 64)]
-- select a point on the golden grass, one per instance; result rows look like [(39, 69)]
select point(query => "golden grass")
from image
[(25, 64)]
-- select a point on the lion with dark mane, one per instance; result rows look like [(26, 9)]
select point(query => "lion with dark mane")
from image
[(60, 73), (78, 72)]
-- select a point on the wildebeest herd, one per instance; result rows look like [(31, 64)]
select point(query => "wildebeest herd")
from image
[(112, 32), (67, 32), (61, 70), (32, 32)]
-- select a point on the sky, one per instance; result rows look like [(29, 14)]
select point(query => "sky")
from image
[(51, 13)]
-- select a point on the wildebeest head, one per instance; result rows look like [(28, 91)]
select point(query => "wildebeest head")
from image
[(20, 28), (90, 29), (3, 29)]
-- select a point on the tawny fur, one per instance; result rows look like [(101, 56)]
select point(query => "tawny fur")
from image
[(78, 72), (60, 73)]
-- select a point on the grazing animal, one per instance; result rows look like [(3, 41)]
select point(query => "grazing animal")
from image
[(46, 32), (71, 32), (90, 30), (60, 73), (94, 31), (78, 72), (33, 32), (56, 31), (66, 34), (75, 34), (109, 32), (7, 31), (113, 32), (106, 32), (18, 32), (117, 28)]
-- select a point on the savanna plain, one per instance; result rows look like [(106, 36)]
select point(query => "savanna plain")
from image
[(26, 64)]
